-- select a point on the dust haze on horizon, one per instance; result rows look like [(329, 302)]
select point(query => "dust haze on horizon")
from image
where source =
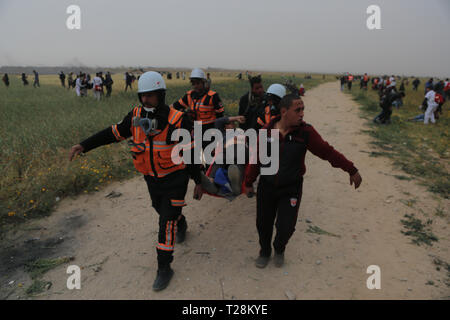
[(329, 36)]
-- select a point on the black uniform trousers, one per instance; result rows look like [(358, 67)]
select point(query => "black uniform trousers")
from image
[(277, 203), (167, 195)]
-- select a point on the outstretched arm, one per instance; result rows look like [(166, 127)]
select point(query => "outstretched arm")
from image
[(325, 151), (114, 133)]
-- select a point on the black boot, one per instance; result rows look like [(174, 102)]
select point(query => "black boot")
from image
[(162, 278)]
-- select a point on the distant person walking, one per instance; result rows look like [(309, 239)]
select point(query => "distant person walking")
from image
[(128, 81), (108, 84), (429, 84), (81, 85), (62, 77), (70, 82), (342, 82), (432, 105), (24, 79), (301, 90), (349, 81), (84, 85), (365, 81), (97, 86), (447, 89), (5, 80), (36, 79), (78, 85), (416, 83)]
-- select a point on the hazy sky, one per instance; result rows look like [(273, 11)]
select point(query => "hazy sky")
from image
[(284, 35)]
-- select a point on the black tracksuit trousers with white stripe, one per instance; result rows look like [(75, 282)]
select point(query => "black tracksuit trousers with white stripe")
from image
[(277, 203)]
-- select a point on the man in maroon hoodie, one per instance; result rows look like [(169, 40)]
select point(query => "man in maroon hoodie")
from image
[(279, 195)]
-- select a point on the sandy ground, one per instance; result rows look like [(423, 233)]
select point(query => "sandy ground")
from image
[(113, 240)]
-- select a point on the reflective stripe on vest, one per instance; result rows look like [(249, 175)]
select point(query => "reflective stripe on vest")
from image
[(267, 114), (152, 154), (204, 112), (116, 133)]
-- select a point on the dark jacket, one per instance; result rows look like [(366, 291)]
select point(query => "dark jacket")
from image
[(251, 110), (292, 153)]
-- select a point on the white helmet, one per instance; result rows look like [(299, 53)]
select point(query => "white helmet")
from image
[(277, 89), (151, 81), (198, 74)]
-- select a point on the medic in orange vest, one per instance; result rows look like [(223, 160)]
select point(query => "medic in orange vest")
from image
[(150, 127), (349, 81), (273, 96), (203, 104)]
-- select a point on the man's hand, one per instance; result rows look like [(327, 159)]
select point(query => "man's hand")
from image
[(249, 191), (198, 192), (355, 179), (76, 150), (240, 119)]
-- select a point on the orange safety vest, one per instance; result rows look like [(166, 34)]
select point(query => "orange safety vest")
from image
[(152, 154), (366, 78), (203, 108), (350, 78), (267, 117)]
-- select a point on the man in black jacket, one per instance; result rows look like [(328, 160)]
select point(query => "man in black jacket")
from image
[(108, 84), (387, 97), (151, 126), (279, 195), (251, 103)]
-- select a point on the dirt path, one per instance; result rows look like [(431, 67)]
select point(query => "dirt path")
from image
[(113, 239)]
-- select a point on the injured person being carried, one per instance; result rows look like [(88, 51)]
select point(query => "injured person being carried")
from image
[(225, 178)]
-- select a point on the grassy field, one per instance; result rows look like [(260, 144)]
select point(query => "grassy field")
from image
[(421, 151), (38, 127)]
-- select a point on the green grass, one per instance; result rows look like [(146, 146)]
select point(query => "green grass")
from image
[(318, 230), (419, 231), (38, 286), (39, 126), (422, 151), (37, 268)]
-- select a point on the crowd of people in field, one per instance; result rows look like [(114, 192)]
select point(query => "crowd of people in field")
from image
[(82, 82), (391, 89), (436, 93), (101, 84)]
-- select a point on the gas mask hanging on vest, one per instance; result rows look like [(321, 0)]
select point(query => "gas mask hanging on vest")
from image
[(149, 124)]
